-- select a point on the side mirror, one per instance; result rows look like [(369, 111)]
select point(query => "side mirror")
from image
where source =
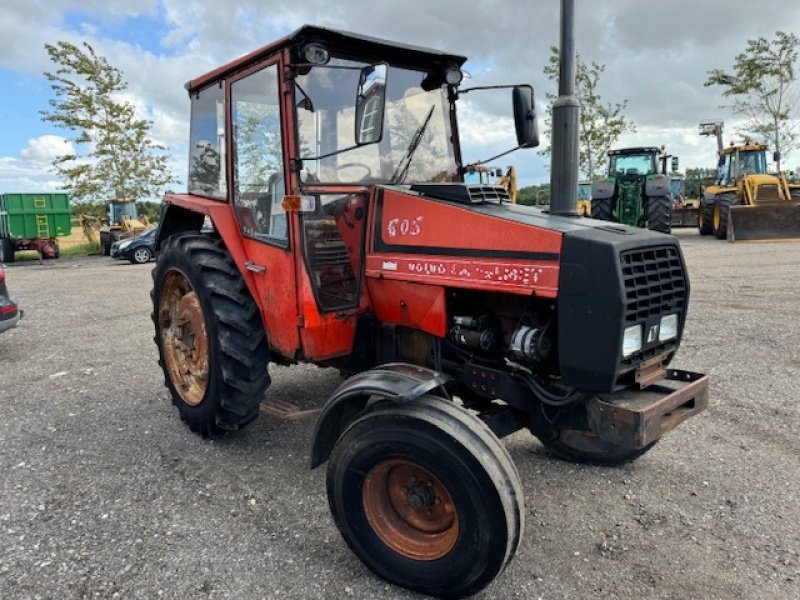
[(370, 104), (525, 116), (674, 164), (776, 156)]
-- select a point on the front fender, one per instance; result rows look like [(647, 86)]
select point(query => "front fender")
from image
[(400, 382)]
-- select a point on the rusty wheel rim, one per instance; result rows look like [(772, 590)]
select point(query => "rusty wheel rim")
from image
[(184, 340), (410, 510)]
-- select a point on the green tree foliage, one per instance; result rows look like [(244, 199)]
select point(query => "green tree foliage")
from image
[(601, 123), (762, 89), (534, 195), (116, 158), (697, 179)]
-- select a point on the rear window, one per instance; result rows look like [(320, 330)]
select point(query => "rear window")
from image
[(207, 144)]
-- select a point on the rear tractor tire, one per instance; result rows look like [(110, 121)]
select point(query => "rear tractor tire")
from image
[(659, 213), (426, 496), (603, 209), (722, 208), (210, 337)]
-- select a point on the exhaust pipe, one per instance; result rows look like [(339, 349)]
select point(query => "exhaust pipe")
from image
[(566, 116)]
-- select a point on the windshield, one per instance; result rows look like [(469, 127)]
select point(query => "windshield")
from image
[(416, 144), (632, 164), (752, 163)]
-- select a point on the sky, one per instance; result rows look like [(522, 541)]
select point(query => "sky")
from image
[(657, 56)]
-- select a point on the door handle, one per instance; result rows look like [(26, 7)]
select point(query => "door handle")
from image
[(251, 266)]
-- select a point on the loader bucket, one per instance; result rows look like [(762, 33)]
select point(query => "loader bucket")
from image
[(684, 217), (765, 222)]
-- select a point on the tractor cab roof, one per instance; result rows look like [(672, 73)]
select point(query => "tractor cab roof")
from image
[(341, 43), (748, 146), (639, 150)]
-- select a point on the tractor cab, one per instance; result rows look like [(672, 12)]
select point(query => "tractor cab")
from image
[(740, 161)]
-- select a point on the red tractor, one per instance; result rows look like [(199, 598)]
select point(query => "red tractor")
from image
[(343, 235)]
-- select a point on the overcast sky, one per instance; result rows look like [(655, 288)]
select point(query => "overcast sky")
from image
[(656, 57)]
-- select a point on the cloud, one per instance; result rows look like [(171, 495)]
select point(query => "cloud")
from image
[(29, 171), (656, 55)]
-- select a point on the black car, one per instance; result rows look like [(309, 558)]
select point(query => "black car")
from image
[(138, 250), (10, 314)]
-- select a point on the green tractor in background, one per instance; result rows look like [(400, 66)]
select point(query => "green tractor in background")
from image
[(636, 189)]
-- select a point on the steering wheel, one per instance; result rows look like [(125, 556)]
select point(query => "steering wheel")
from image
[(358, 165)]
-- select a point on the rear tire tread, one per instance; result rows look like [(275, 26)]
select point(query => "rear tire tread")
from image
[(243, 354)]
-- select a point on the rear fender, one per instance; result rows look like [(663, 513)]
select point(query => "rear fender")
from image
[(175, 219), (603, 188), (398, 382), (657, 186)]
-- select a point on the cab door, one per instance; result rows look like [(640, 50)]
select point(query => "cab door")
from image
[(258, 181)]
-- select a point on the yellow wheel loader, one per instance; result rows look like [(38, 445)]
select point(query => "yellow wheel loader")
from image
[(746, 203)]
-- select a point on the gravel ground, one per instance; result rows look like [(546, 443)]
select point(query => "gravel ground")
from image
[(105, 493)]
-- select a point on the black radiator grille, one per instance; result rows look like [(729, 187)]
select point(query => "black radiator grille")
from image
[(481, 193), (655, 283)]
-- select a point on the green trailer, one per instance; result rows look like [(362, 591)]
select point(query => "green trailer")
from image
[(33, 222)]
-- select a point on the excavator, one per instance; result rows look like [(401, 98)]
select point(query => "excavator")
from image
[(746, 203)]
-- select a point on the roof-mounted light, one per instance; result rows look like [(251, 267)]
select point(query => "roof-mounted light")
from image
[(316, 54), (453, 75)]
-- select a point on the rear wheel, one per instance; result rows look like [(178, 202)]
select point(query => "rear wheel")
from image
[(722, 208), (426, 496), (659, 213), (210, 336), (7, 251), (603, 209), (705, 218)]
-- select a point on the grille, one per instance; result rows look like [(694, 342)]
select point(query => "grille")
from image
[(482, 193), (655, 285)]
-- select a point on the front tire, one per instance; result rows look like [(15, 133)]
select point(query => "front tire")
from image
[(141, 256), (426, 496), (659, 213), (722, 208), (210, 337)]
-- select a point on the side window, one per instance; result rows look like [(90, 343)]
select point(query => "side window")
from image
[(258, 185), (207, 144)]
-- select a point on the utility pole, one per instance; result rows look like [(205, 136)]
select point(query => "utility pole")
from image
[(566, 117)]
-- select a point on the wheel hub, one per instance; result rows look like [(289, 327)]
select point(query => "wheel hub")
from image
[(410, 510), (184, 340)]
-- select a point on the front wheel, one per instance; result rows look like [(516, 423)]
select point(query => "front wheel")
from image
[(426, 496), (722, 208), (141, 255), (585, 448), (211, 341)]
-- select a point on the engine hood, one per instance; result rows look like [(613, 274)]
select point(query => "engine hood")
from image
[(487, 244)]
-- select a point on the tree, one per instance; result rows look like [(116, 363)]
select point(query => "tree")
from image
[(600, 124), (762, 88), (119, 161), (696, 180)]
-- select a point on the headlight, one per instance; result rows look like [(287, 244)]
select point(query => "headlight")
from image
[(668, 329), (631, 340), (124, 245)]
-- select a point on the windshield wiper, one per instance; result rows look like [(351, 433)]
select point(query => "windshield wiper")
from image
[(401, 171)]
